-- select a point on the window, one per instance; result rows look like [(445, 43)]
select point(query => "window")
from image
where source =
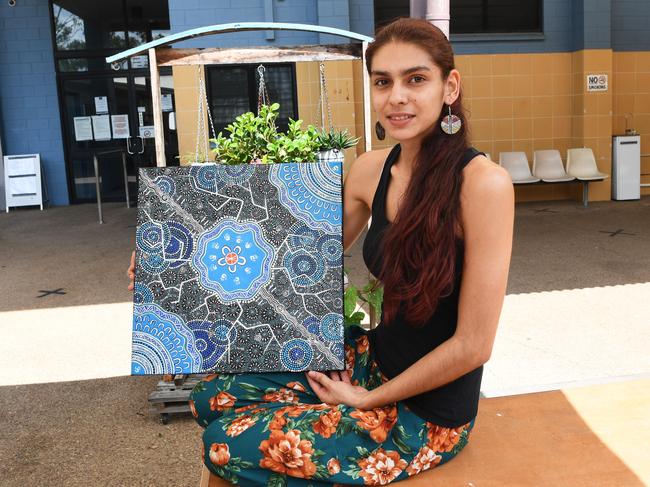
[(495, 16), (232, 90), (474, 16), (388, 10)]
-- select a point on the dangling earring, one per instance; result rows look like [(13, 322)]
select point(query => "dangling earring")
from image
[(450, 124), (379, 130)]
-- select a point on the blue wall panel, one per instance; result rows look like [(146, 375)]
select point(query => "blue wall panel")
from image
[(557, 25), (630, 25), (29, 106), (190, 14)]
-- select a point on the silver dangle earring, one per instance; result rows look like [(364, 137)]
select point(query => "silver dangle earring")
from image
[(380, 131), (450, 124)]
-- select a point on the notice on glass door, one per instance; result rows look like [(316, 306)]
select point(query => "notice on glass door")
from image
[(101, 105), (102, 127), (83, 129), (120, 124)]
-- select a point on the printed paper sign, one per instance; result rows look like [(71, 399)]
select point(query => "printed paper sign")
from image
[(147, 131), (120, 125), (167, 103), (83, 129), (101, 105), (102, 127)]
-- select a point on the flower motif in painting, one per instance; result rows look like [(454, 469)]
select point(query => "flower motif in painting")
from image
[(234, 260)]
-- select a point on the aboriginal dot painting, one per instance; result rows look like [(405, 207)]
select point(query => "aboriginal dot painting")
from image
[(239, 269)]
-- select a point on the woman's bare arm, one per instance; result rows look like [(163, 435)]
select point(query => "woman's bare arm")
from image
[(487, 202)]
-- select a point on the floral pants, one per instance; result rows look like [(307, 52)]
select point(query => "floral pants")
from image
[(271, 429)]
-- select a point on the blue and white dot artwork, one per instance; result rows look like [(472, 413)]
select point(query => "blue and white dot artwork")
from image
[(239, 269)]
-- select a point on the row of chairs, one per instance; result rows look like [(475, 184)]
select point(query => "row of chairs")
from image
[(548, 168)]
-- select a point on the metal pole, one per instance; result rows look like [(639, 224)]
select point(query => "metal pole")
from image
[(126, 180), (98, 189), (437, 13), (585, 194), (367, 118)]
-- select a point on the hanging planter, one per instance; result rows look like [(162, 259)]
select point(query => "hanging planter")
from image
[(333, 143)]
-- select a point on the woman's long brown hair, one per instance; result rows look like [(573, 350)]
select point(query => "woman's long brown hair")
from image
[(419, 248)]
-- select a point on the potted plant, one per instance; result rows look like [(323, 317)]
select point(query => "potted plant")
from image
[(333, 143), (254, 139)]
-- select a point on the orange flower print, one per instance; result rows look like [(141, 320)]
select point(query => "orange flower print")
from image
[(349, 358), (381, 467), (221, 401), (424, 460), (286, 453), (219, 453), (296, 386), (378, 421), (246, 408), (283, 395), (210, 377), (193, 409), (362, 344), (327, 423), (333, 466), (278, 422), (238, 426), (443, 439)]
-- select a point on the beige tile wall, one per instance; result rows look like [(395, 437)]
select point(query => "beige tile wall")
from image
[(631, 92), (521, 102), (186, 100)]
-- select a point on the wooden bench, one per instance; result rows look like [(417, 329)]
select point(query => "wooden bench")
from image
[(590, 436)]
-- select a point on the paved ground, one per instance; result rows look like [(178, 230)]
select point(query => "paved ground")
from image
[(576, 313)]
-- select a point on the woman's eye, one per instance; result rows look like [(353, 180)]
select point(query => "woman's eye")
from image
[(417, 79), (381, 82)]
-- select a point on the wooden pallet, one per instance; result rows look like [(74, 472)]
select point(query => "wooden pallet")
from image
[(172, 394)]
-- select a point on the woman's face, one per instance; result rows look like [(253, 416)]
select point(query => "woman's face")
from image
[(408, 92)]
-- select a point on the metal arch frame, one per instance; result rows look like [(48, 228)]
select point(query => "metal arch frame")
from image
[(150, 48), (234, 27)]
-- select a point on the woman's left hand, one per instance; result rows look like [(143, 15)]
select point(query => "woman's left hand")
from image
[(337, 389)]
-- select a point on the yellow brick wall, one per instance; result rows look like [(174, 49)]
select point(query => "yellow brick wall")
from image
[(186, 99), (522, 102), (631, 92)]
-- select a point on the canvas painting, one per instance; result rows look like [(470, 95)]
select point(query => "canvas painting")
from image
[(239, 269)]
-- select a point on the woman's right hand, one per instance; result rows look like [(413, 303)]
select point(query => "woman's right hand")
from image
[(131, 272)]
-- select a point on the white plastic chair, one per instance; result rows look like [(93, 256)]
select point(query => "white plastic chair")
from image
[(547, 165), (516, 163), (581, 164)]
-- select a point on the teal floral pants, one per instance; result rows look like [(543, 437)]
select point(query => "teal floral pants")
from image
[(271, 429)]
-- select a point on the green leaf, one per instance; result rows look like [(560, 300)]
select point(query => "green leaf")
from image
[(353, 472), (250, 388), (277, 480), (350, 300), (363, 452)]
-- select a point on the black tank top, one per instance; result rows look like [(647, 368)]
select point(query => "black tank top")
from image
[(399, 345)]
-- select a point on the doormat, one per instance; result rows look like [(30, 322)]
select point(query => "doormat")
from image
[(239, 269)]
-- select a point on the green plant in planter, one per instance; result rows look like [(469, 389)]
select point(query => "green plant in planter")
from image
[(371, 293), (335, 139), (296, 146), (254, 138)]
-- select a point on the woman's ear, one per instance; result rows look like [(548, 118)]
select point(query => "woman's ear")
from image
[(452, 87)]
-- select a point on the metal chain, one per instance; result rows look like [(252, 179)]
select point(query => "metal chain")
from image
[(324, 97), (202, 106), (262, 93), (200, 123)]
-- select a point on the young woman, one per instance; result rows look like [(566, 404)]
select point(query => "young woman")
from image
[(440, 242)]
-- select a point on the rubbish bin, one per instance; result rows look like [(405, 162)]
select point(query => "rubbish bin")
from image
[(626, 167)]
